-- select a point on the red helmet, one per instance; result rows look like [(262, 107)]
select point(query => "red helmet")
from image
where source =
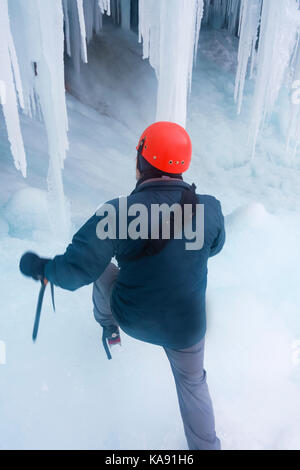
[(166, 146)]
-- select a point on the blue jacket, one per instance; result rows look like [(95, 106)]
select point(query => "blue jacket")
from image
[(158, 299)]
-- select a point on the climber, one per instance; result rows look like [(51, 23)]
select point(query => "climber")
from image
[(156, 293)]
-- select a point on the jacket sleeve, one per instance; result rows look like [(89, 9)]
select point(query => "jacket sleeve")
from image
[(219, 242), (85, 259)]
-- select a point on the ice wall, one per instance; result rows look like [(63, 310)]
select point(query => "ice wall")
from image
[(34, 34), (269, 35), (248, 31), (268, 51), (268, 32), (37, 28), (11, 89), (174, 33)]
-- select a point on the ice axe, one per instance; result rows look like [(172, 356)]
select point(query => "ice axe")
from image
[(31, 265), (39, 306)]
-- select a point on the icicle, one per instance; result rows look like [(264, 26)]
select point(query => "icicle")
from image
[(249, 25), (293, 139), (278, 35), (10, 80), (222, 14), (75, 34), (199, 18), (217, 15), (206, 11), (82, 19), (105, 7), (115, 11), (38, 27), (233, 10), (169, 37), (93, 18), (134, 14), (67, 27), (149, 20), (51, 91), (125, 14), (82, 31)]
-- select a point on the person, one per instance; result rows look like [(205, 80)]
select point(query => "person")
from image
[(157, 292)]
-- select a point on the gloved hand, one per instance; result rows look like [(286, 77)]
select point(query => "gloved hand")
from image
[(32, 265)]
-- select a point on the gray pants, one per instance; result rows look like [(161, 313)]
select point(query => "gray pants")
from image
[(188, 371)]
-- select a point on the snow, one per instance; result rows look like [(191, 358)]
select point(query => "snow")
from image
[(4, 228), (62, 392), (27, 212)]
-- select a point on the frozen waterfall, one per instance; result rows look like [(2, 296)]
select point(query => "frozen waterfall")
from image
[(34, 35)]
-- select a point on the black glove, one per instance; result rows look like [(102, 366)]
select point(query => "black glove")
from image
[(33, 266)]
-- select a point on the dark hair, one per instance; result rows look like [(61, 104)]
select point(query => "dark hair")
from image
[(148, 171)]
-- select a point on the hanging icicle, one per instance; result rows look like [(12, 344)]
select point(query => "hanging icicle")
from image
[(126, 14), (105, 7), (233, 10), (38, 27), (11, 89), (81, 18), (280, 22), (169, 41), (248, 32), (93, 18), (293, 140), (76, 35)]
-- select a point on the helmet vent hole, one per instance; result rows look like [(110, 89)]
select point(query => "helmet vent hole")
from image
[(171, 162), (154, 158), (182, 163)]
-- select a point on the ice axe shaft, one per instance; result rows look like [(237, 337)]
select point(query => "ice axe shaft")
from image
[(105, 345), (39, 307)]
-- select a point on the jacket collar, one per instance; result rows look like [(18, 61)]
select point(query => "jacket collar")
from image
[(164, 184)]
